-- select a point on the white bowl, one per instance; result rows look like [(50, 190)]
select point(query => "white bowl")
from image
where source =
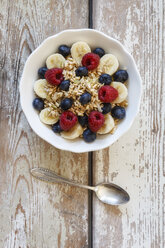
[(37, 59)]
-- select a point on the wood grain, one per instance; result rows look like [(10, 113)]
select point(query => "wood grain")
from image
[(32, 213), (136, 161)]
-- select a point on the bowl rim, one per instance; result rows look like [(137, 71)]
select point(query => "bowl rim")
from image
[(136, 110)]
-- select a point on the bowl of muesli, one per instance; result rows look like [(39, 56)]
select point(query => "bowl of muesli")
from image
[(80, 90)]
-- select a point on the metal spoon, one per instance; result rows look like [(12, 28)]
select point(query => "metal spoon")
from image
[(106, 192)]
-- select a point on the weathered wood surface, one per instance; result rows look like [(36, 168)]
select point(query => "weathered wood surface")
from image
[(34, 214), (136, 161)]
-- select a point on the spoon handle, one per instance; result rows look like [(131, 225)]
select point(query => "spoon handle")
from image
[(50, 176)]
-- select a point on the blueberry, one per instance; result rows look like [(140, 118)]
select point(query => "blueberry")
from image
[(56, 127), (99, 51), (105, 79), (66, 103), (106, 108), (64, 85), (81, 71), (38, 103), (85, 98), (42, 71), (118, 112), (83, 120), (89, 136), (64, 50), (120, 76)]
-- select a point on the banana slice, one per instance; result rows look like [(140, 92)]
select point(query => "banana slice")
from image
[(39, 88), (108, 64), (46, 118), (122, 90), (108, 125), (73, 133), (78, 50), (55, 61)]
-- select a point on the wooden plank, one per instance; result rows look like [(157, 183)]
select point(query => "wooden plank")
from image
[(136, 161), (35, 214)]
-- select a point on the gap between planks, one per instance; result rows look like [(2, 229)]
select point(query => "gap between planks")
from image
[(90, 156)]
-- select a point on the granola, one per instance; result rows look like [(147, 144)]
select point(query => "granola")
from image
[(91, 101)]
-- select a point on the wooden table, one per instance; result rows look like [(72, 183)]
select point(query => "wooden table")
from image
[(34, 214)]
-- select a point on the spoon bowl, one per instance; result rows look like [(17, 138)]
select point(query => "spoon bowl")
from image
[(112, 194)]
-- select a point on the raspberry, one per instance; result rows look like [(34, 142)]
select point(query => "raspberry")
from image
[(95, 120), (90, 61), (67, 120), (54, 76), (107, 93)]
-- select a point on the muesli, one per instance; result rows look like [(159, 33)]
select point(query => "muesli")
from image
[(81, 93)]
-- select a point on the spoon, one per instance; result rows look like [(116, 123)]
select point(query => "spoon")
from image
[(108, 193)]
